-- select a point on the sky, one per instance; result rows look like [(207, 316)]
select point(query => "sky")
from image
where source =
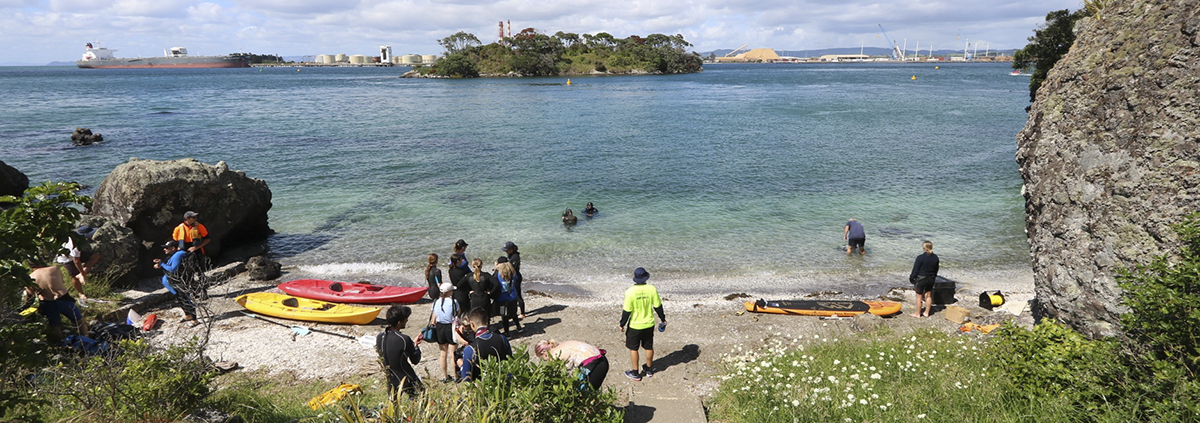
[(41, 31)]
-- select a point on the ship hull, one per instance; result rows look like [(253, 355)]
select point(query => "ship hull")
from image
[(167, 63)]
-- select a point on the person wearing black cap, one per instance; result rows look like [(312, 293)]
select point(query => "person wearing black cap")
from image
[(641, 300), (191, 235), (590, 210), (397, 350), (514, 258), (460, 248)]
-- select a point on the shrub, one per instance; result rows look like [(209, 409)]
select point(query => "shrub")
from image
[(1054, 361)]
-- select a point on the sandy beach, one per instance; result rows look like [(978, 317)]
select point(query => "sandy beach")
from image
[(706, 321)]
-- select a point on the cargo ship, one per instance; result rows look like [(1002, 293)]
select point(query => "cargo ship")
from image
[(175, 58)]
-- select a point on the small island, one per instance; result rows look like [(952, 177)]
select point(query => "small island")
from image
[(533, 53)]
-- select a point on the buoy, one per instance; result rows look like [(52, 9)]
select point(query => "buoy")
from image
[(297, 70), (914, 77), (936, 67), (150, 321), (568, 81)]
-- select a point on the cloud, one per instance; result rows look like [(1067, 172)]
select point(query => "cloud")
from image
[(45, 30)]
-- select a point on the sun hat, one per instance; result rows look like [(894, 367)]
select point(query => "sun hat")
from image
[(446, 287), (640, 275)]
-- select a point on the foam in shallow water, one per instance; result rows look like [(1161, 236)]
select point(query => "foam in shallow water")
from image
[(341, 269)]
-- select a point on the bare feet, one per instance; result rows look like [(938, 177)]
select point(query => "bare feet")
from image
[(915, 315)]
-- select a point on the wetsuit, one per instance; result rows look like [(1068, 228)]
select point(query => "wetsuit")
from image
[(486, 344), (515, 260), (394, 347), (483, 290), (435, 281), (462, 290)]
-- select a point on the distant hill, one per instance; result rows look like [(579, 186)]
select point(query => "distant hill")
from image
[(869, 51)]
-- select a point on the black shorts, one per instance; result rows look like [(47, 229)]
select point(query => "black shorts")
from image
[(70, 265), (857, 242), (445, 333), (924, 283), (643, 337)]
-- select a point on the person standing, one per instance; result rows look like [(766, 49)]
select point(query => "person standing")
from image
[(191, 235), (397, 351), (514, 258), (590, 360), (433, 276), (460, 248), (924, 273), (590, 210), (482, 287), (79, 259), (445, 309), (855, 237), (458, 277), (506, 301), (569, 218), (169, 267), (484, 345), (54, 301), (637, 321)]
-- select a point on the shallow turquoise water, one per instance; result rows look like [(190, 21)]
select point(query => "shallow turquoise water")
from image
[(739, 170)]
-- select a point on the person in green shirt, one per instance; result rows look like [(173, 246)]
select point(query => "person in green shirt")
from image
[(637, 322)]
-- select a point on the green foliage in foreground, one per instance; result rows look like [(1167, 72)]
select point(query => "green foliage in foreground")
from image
[(32, 232), (1047, 373), (926, 376), (514, 390), (532, 53)]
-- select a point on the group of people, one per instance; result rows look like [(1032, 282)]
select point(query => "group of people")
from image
[(464, 336), (54, 300), (924, 271), (569, 218)]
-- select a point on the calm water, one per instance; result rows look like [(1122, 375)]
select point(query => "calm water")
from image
[(739, 170)]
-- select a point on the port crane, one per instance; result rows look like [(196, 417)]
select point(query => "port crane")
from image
[(896, 52)]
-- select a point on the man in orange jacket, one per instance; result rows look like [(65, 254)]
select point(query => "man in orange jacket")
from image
[(191, 234)]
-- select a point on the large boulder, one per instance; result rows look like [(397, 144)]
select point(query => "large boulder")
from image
[(151, 196), (1109, 156), (12, 181), (118, 247)]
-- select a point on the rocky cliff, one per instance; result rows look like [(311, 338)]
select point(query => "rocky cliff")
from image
[(1109, 156)]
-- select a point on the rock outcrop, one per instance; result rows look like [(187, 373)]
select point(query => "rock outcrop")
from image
[(1109, 156), (119, 249), (84, 136), (151, 196), (260, 268), (12, 181)]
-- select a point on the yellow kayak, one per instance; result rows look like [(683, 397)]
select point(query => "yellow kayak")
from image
[(296, 308)]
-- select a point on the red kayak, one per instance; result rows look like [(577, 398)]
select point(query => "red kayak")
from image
[(346, 292)]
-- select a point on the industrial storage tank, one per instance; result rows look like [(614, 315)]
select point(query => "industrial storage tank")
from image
[(429, 58), (324, 58), (411, 59), (341, 57), (397, 60), (358, 59)]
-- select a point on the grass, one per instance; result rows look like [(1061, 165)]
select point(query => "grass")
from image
[(919, 377)]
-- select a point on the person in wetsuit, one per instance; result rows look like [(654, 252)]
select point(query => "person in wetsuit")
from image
[(484, 345), (397, 351)]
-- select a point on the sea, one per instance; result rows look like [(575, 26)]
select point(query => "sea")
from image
[(742, 170)]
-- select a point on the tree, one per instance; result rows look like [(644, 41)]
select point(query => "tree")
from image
[(459, 42), (1047, 46), (32, 232), (456, 65)]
